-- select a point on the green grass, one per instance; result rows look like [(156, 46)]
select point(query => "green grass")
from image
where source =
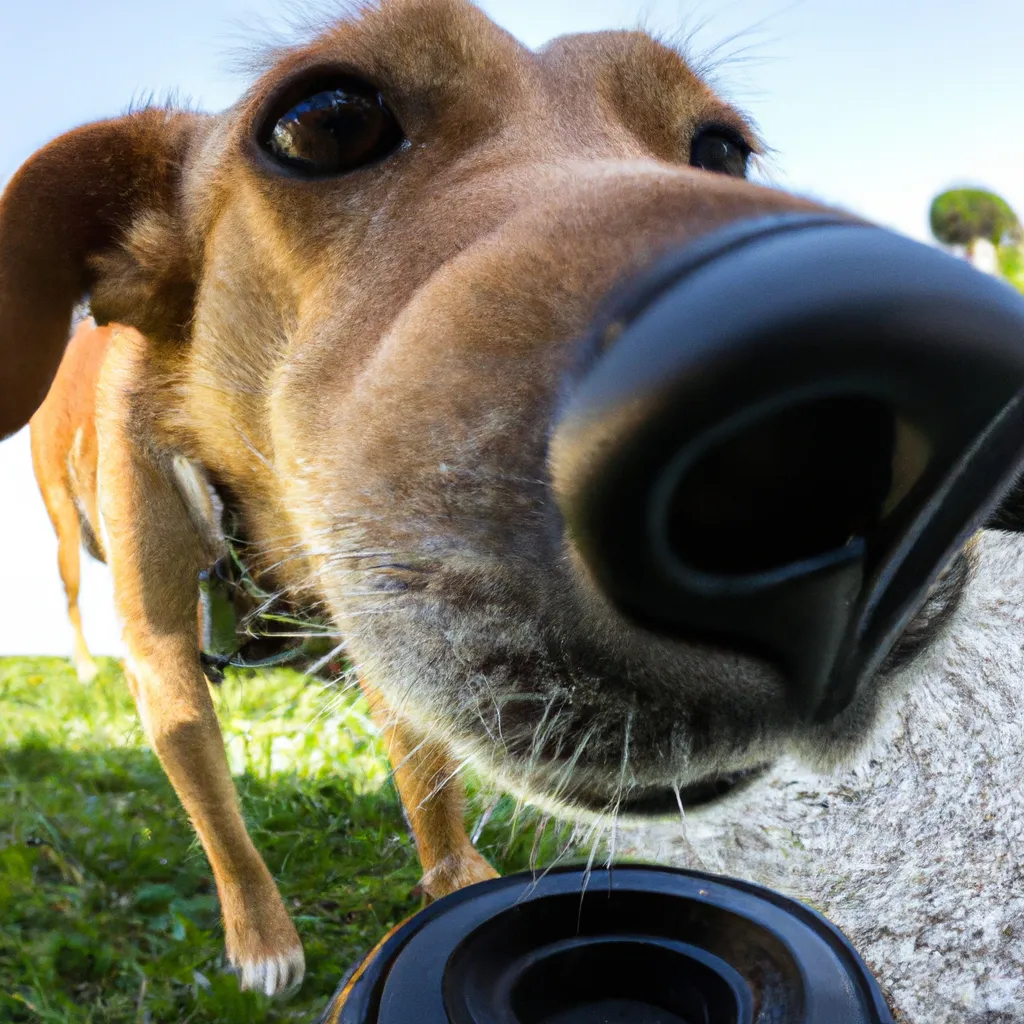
[(107, 907)]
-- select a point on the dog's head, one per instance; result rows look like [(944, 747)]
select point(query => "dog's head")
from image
[(370, 279)]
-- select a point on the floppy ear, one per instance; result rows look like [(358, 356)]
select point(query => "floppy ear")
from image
[(96, 212)]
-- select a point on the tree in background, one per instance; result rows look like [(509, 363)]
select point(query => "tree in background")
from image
[(1011, 264), (963, 217)]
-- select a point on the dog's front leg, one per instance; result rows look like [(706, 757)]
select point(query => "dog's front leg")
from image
[(434, 800), (155, 552)]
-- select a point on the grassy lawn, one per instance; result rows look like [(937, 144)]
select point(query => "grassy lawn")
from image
[(107, 908)]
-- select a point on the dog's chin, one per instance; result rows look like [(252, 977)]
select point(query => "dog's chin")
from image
[(650, 803), (660, 802)]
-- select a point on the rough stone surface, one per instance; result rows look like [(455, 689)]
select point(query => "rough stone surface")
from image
[(917, 853)]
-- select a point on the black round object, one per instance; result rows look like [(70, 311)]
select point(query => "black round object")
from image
[(634, 945), (778, 438)]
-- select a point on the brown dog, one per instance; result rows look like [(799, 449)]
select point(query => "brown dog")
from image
[(352, 298), (65, 459), (64, 456)]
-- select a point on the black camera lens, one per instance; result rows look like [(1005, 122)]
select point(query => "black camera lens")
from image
[(641, 945)]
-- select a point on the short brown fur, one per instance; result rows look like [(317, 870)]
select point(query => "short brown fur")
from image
[(369, 365)]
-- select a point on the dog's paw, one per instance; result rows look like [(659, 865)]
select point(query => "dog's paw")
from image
[(272, 975), (264, 949), (86, 670), (456, 872)]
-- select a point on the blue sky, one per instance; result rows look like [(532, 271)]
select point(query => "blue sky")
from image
[(874, 105)]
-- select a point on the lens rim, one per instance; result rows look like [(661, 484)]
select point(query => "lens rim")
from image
[(403, 983)]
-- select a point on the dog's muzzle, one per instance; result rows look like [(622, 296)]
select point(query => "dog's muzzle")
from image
[(782, 435)]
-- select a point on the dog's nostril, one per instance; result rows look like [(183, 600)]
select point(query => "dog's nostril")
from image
[(783, 487)]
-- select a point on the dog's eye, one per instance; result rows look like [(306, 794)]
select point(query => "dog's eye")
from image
[(332, 130), (720, 150)]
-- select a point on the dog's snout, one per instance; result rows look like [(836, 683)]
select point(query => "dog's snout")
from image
[(785, 433)]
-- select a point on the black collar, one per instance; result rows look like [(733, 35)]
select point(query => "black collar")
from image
[(244, 625)]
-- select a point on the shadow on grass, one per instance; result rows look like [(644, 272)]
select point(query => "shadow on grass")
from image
[(107, 908)]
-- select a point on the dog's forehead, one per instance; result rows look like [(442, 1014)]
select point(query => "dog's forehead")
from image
[(634, 55), (443, 46), (647, 83), (407, 44)]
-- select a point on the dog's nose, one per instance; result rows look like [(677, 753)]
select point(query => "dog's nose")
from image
[(780, 436)]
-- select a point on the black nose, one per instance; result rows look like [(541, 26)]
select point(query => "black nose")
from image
[(783, 434)]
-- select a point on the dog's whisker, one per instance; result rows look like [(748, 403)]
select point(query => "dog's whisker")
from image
[(538, 835), (328, 658), (588, 870), (514, 824), (399, 765), (566, 774), (255, 451), (682, 810), (459, 769), (564, 848), (483, 820)]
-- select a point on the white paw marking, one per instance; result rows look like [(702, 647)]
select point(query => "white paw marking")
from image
[(87, 673), (273, 975)]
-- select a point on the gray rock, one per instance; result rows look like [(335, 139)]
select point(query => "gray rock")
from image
[(916, 852)]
